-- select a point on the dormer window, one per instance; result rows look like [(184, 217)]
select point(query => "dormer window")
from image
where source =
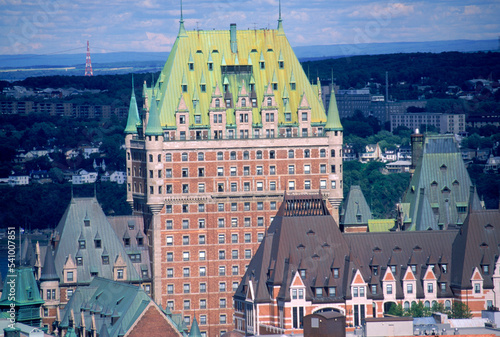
[(358, 218), (203, 87), (217, 103), (269, 101), (319, 292), (191, 66), (81, 244), (335, 272), (97, 243), (375, 270), (332, 291), (210, 66), (288, 117), (414, 268), (140, 242), (226, 87), (281, 64), (197, 119), (292, 86), (262, 65), (254, 102), (252, 87), (86, 222), (486, 269), (184, 88), (79, 261), (228, 103), (105, 259), (126, 242), (275, 86), (182, 119), (302, 273), (243, 102)]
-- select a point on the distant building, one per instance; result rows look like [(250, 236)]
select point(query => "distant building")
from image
[(19, 180), (492, 165), (445, 123), (84, 177), (348, 152), (399, 166), (371, 153)]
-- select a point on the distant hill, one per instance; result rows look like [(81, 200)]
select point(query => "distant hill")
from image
[(17, 67)]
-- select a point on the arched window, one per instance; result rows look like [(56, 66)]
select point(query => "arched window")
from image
[(269, 101), (243, 102), (233, 155), (407, 305), (217, 103), (259, 154)]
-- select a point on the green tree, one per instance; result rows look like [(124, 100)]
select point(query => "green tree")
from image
[(460, 310), (396, 310)]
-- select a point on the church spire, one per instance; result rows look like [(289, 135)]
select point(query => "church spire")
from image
[(133, 120)]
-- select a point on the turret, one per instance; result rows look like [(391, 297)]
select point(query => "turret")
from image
[(134, 124), (154, 147), (333, 130)]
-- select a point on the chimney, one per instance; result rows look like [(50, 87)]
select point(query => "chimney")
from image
[(417, 149), (234, 45)]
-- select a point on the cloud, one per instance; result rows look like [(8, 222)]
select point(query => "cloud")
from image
[(376, 10), (472, 10)]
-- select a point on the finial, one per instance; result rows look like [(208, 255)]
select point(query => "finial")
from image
[(279, 19), (182, 20)]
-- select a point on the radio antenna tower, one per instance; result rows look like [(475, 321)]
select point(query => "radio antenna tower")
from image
[(88, 63)]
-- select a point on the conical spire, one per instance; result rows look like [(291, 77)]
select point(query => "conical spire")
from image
[(154, 126), (195, 329), (49, 268), (133, 120), (333, 119)]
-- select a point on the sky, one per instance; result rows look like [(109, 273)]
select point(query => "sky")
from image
[(62, 26)]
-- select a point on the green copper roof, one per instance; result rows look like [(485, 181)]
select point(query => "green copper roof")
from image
[(333, 123), (26, 288), (213, 47), (195, 329), (356, 210), (133, 120), (154, 127), (380, 225)]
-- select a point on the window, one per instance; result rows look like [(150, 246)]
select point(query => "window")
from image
[(234, 238), (307, 184), (184, 156), (272, 205), (291, 169), (291, 154), (430, 287), (355, 292), (259, 170), (234, 222), (170, 256), (202, 255), (235, 270), (409, 288), (322, 168), (168, 157), (248, 237), (322, 153), (248, 253), (319, 292), (220, 222), (272, 186), (222, 238), (185, 223), (260, 237), (477, 288), (233, 171), (185, 256), (234, 187), (169, 224), (260, 186), (374, 289), (332, 291), (247, 222), (291, 185), (361, 291), (187, 288), (288, 117), (203, 271), (185, 272), (332, 168), (222, 270), (389, 289), (170, 272), (260, 205), (222, 286), (222, 254), (222, 318), (234, 254)]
